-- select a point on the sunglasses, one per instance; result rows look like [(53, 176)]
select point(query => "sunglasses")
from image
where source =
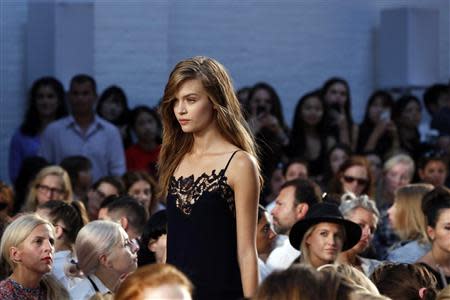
[(350, 179)]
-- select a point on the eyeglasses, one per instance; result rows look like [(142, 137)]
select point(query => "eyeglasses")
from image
[(360, 181), (46, 189)]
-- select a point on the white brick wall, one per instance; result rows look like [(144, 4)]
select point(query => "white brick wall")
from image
[(293, 45)]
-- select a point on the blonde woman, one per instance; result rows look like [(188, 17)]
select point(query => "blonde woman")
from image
[(408, 221), (210, 175), (27, 245), (105, 256), (51, 183), (323, 234)]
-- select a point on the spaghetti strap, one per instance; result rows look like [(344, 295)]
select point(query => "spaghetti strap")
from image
[(228, 163)]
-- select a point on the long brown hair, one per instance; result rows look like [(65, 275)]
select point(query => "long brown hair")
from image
[(230, 120)]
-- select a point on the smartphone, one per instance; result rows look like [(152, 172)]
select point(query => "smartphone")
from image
[(385, 115)]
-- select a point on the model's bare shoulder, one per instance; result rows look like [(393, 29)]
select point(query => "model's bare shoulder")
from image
[(243, 168)]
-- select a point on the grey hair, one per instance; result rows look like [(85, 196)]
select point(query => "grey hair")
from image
[(350, 202)]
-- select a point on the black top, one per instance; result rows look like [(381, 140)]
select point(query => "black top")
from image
[(201, 236), (442, 280)]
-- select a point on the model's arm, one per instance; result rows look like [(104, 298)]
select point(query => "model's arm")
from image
[(243, 178)]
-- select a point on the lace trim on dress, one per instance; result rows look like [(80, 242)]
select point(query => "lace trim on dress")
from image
[(188, 190)]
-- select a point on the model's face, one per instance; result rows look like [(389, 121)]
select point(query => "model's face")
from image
[(376, 109), (396, 177), (123, 258), (312, 111), (35, 253), (46, 101), (325, 243), (411, 116), (111, 108), (368, 223), (264, 236), (82, 98), (337, 158), (146, 126), (159, 248), (51, 187), (296, 170), (192, 107), (355, 179), (260, 101), (337, 94), (440, 235), (284, 213), (142, 191), (435, 172)]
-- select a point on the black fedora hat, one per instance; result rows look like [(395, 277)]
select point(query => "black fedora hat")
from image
[(329, 213)]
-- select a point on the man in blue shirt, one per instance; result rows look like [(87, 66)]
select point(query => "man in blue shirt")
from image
[(84, 133)]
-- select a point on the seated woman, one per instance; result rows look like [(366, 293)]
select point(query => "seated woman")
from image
[(354, 176), (142, 186), (363, 212), (105, 256), (408, 222), (436, 207), (51, 183), (154, 282), (323, 234), (27, 245), (67, 220)]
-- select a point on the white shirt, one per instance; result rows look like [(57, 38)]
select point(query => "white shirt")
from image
[(84, 290), (60, 260), (282, 256), (264, 271)]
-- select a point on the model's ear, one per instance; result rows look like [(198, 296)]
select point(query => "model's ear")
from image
[(431, 233), (15, 254)]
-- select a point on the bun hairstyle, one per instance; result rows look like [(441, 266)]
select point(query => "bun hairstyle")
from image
[(433, 202)]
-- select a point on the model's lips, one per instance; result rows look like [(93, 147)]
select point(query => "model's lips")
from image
[(47, 259), (183, 121)]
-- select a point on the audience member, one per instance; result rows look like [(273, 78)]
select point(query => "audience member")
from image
[(6, 201), (291, 205), (27, 246), (340, 126), (377, 131), (143, 155), (376, 166), (335, 158), (153, 244), (276, 182), (84, 133), (308, 138), (408, 221), (436, 207), (154, 282), (354, 176), (79, 169), (437, 103), (362, 211), (102, 188), (51, 183), (398, 171), (264, 241), (142, 186), (129, 213), (405, 282), (296, 168), (113, 107), (67, 220), (105, 256), (45, 104), (433, 169), (323, 234)]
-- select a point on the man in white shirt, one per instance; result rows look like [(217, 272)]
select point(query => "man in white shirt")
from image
[(293, 201)]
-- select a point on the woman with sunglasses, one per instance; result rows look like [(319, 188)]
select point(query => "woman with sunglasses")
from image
[(51, 183), (354, 176), (323, 234)]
